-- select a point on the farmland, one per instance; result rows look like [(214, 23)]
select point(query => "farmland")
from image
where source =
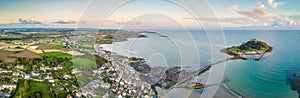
[(43, 65), (4, 56), (43, 46), (56, 54), (39, 64), (58, 47), (10, 56), (83, 62), (25, 54)]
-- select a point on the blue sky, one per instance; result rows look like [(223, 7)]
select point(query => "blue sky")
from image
[(270, 14)]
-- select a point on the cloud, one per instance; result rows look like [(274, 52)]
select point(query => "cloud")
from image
[(284, 22), (276, 24), (64, 22), (295, 18), (229, 21), (232, 8), (257, 13), (292, 22), (129, 23), (24, 21), (274, 4)]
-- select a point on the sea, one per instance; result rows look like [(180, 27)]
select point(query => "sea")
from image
[(194, 49)]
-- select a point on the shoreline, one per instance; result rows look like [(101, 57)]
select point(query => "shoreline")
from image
[(202, 70), (232, 92)]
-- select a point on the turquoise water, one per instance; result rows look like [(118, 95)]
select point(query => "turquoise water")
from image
[(267, 77), (259, 79)]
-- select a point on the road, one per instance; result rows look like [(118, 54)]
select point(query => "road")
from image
[(202, 70)]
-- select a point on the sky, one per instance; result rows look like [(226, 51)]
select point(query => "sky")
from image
[(170, 14)]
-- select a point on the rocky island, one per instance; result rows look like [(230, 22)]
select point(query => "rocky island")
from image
[(252, 47)]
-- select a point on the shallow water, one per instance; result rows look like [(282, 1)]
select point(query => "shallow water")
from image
[(259, 79)]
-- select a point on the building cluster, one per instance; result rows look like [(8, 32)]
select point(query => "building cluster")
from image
[(38, 73), (119, 77)]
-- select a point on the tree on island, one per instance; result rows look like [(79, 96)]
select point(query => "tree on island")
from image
[(251, 47)]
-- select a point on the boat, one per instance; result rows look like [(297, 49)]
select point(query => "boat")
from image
[(195, 85)]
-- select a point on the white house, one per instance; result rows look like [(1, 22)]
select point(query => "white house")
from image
[(19, 66), (51, 80), (27, 76), (67, 77), (44, 68), (9, 86), (35, 74), (59, 67)]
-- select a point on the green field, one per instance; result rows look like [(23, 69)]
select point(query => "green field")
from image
[(56, 54), (55, 35), (26, 36), (58, 47), (32, 89), (87, 45), (83, 62), (58, 41), (17, 42), (42, 35), (45, 46), (11, 36)]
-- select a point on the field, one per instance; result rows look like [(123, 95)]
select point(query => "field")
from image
[(3, 44), (32, 89), (87, 45), (83, 62), (43, 46), (58, 47), (13, 49), (75, 53), (33, 49), (9, 56), (7, 46), (25, 54), (58, 41), (17, 42), (11, 36), (56, 54), (4, 56)]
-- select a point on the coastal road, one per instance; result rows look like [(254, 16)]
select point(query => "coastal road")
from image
[(202, 70)]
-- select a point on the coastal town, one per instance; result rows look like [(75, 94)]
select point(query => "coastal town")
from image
[(72, 64), (56, 63), (69, 63), (149, 49)]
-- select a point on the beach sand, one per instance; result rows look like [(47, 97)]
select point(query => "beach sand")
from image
[(223, 93), (183, 92)]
